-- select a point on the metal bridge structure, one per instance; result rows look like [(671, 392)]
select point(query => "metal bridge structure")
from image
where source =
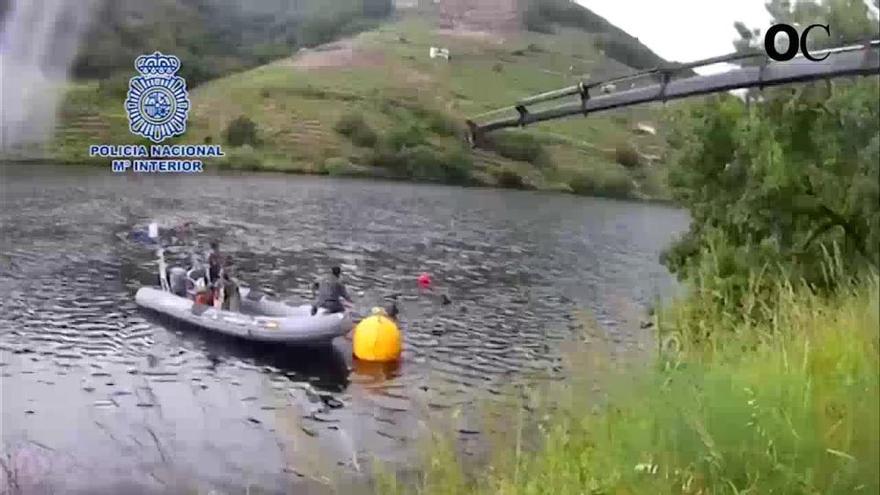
[(667, 83)]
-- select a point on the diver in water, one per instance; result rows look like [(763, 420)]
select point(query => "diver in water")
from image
[(332, 293), (392, 310)]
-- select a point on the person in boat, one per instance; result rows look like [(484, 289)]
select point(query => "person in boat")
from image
[(216, 261), (231, 294), (177, 281), (197, 282), (196, 272), (203, 293), (225, 292), (332, 293)]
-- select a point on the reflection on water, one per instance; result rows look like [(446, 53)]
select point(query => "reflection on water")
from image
[(101, 393)]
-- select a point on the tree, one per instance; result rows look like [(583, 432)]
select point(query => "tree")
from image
[(784, 185), (848, 21), (242, 131)]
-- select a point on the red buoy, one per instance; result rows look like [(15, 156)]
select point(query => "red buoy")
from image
[(424, 281)]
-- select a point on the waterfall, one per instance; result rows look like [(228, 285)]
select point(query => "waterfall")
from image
[(38, 43)]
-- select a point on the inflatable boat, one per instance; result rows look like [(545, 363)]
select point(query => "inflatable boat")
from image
[(260, 319)]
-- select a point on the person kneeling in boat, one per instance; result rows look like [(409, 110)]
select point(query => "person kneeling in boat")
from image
[(198, 287), (332, 293), (202, 293)]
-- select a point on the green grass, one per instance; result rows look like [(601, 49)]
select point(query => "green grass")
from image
[(788, 404), (297, 109)]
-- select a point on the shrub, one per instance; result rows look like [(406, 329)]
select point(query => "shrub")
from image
[(442, 124), (518, 146), (242, 158), (364, 137), (627, 155), (498, 67), (457, 166), (198, 70), (115, 86), (354, 127), (347, 124), (242, 131), (405, 137), (535, 48), (509, 179), (387, 158), (424, 162), (336, 166), (611, 183), (420, 162)]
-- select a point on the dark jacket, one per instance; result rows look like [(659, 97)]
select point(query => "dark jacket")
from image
[(216, 261), (330, 292)]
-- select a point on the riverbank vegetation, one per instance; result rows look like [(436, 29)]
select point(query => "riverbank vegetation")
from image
[(373, 99), (787, 403), (766, 377)]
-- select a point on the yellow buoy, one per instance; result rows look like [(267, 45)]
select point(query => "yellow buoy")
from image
[(377, 338)]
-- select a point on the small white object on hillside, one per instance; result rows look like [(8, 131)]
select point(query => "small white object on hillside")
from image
[(643, 128), (439, 52)]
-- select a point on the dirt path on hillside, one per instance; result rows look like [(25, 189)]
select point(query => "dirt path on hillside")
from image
[(339, 54)]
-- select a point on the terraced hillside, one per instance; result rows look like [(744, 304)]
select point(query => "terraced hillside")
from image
[(413, 107)]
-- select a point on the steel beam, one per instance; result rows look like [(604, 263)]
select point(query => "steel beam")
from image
[(862, 60)]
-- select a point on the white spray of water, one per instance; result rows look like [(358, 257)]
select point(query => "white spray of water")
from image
[(38, 44)]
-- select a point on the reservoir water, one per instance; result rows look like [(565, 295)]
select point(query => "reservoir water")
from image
[(99, 396)]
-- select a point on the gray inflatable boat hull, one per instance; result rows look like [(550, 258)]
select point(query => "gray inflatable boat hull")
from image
[(277, 322)]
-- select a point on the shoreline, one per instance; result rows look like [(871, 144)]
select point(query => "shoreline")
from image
[(357, 172)]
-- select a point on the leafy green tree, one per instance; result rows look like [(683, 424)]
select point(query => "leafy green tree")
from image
[(787, 186), (242, 131), (848, 21), (797, 176)]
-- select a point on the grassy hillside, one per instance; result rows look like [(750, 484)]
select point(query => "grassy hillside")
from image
[(409, 107), (216, 36)]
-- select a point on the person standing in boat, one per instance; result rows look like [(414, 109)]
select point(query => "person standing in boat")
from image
[(231, 298), (332, 293), (216, 262)]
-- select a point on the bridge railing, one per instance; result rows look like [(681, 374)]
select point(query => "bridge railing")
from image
[(852, 60)]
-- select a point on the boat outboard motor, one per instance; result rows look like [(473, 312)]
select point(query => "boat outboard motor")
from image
[(177, 281)]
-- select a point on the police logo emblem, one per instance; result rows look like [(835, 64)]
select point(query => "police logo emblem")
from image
[(157, 102)]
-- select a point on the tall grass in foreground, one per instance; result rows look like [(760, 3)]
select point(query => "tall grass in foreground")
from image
[(789, 405)]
